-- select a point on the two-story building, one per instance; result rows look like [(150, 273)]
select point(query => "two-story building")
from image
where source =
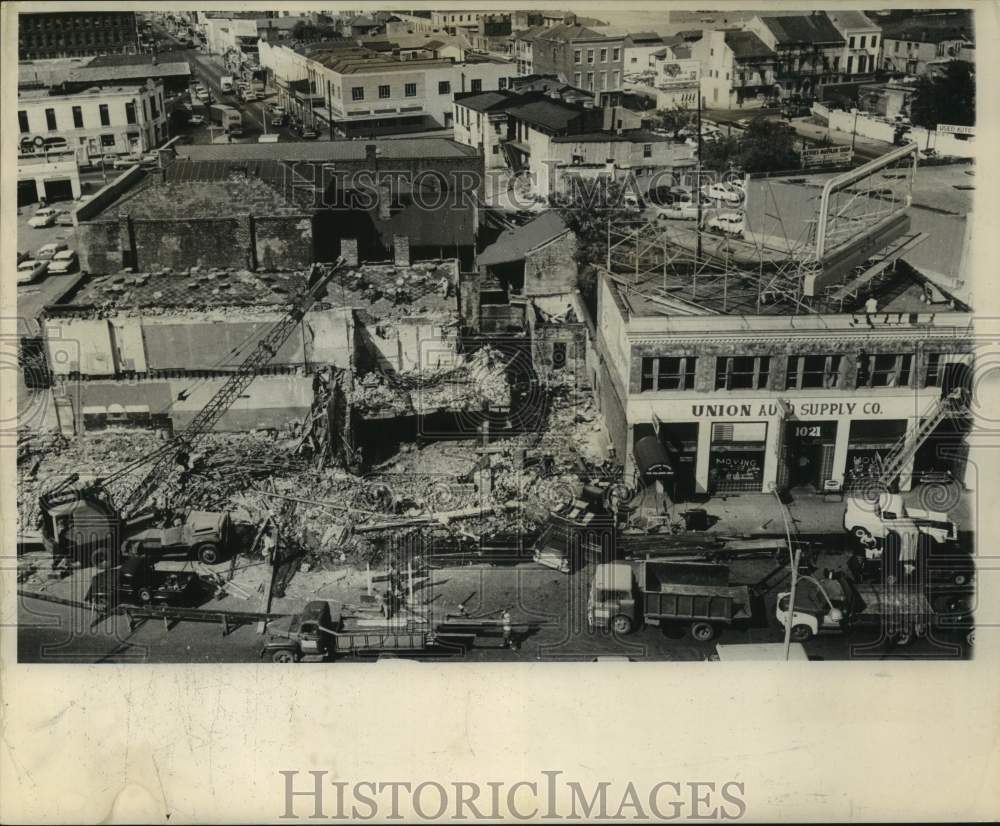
[(112, 120), (863, 42), (809, 51), (736, 67), (910, 43), (578, 55)]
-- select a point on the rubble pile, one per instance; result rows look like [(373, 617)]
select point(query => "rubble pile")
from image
[(480, 382)]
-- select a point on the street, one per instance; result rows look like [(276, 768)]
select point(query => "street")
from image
[(548, 610)]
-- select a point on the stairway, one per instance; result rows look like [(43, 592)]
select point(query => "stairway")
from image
[(907, 447)]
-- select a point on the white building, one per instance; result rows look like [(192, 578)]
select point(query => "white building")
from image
[(863, 42), (101, 121), (52, 175)]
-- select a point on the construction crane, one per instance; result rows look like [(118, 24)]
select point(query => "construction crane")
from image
[(88, 511)]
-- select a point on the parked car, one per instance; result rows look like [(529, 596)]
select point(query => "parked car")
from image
[(196, 120), (107, 160), (45, 217), (63, 262), (730, 223), (125, 161), (31, 270), (48, 251), (308, 133), (724, 192)]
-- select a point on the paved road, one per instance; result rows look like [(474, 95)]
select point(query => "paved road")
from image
[(549, 608)]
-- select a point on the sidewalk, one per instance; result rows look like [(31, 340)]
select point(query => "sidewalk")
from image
[(760, 514)]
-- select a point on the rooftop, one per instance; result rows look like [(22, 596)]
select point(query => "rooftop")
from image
[(371, 287), (626, 136), (138, 72), (847, 20), (803, 28), (402, 148), (176, 56), (513, 244), (747, 45), (549, 114), (484, 101), (204, 199), (569, 33), (102, 91), (932, 28)]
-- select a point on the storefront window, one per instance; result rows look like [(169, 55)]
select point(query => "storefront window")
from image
[(933, 370), (812, 371), (736, 461), (884, 370), (668, 373), (742, 372)]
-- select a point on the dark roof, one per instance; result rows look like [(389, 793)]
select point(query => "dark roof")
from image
[(514, 244), (567, 34), (682, 52), (645, 38), (747, 45), (484, 102), (931, 28), (327, 150), (803, 28), (549, 114), (429, 227), (627, 136)]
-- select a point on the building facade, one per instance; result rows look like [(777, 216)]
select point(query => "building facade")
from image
[(121, 120), (809, 51), (863, 43), (577, 55), (772, 402), (736, 67), (43, 35)]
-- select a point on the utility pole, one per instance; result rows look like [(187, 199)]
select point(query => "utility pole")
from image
[(854, 130), (697, 190)]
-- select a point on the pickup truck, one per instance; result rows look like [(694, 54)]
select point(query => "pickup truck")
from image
[(137, 582), (871, 522), (840, 605), (696, 594)]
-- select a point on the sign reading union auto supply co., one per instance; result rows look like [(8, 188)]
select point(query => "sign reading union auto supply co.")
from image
[(766, 409)]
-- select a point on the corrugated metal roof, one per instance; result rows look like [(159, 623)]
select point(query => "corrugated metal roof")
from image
[(515, 244)]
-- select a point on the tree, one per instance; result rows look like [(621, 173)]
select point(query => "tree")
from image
[(948, 97), (673, 120), (766, 146)]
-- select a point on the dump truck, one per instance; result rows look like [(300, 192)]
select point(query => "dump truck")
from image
[(840, 605), (138, 582), (625, 596)]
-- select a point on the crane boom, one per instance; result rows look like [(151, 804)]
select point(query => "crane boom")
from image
[(231, 390)]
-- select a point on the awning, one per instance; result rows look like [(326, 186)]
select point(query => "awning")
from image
[(651, 456)]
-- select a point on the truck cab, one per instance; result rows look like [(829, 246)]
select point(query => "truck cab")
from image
[(612, 602), (870, 522), (306, 636), (202, 535)]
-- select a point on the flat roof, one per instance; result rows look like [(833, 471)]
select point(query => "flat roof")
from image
[(344, 150), (203, 199)]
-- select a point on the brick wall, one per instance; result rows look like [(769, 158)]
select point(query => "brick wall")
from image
[(98, 246), (283, 242), (552, 268), (202, 242)]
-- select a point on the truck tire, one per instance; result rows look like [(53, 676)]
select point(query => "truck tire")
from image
[(801, 633), (905, 637), (285, 655), (208, 553), (621, 624), (863, 535), (702, 631), (145, 595), (970, 638)]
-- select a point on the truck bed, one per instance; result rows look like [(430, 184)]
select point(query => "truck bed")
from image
[(718, 603), (880, 601)]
